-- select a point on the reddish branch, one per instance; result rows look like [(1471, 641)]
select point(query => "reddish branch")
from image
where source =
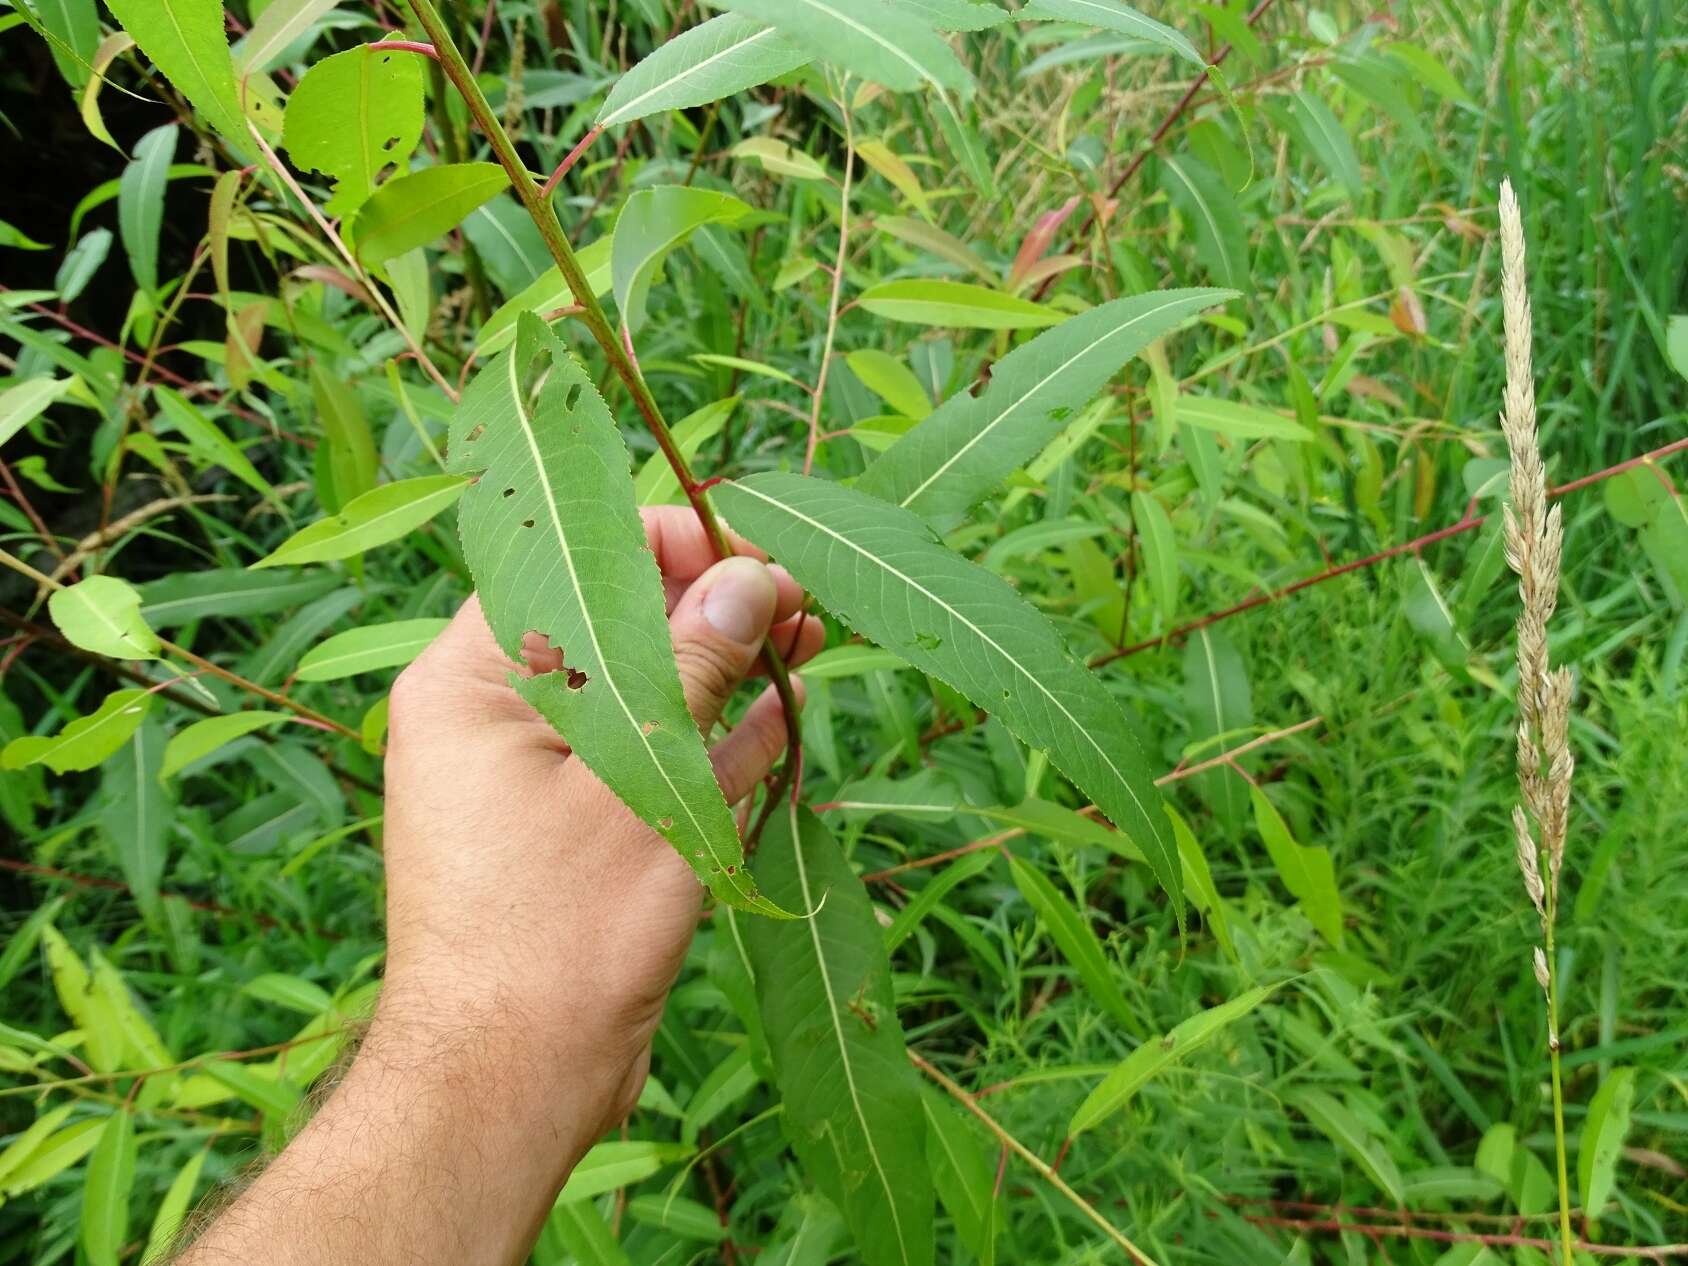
[(1467, 523), (1375, 1232), (407, 46), (113, 885), (570, 160), (1159, 135)]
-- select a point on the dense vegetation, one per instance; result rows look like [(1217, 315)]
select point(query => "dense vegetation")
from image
[(243, 284)]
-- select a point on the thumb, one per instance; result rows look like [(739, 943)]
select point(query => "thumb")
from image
[(718, 629)]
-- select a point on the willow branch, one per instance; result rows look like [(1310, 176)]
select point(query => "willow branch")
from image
[(544, 217)]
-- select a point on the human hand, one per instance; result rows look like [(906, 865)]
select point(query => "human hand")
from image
[(527, 908)]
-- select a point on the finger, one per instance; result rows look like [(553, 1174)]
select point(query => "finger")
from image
[(718, 629), (683, 549), (747, 755), (791, 593)]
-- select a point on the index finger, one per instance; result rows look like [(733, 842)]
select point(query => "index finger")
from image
[(683, 550)]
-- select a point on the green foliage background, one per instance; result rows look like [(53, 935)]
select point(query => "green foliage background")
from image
[(226, 914)]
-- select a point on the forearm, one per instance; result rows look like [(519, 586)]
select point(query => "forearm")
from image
[(434, 1148)]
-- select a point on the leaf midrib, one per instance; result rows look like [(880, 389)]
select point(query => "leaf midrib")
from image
[(612, 120), (528, 434), (813, 922), (1207, 215), (956, 615), (1043, 382), (919, 70)]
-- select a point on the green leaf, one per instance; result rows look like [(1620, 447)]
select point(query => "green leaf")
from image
[(267, 1093), (1676, 343), (779, 158), (576, 1232), (103, 614), (229, 594), (378, 516), (52, 1156), (688, 1219), (350, 466), (1238, 421), (871, 38), (75, 27), (22, 404), (1428, 613), (1342, 1128), (1325, 137), (1158, 1053), (1448, 1182), (964, 1175), (1603, 1138), (1071, 932), (352, 115), (879, 569), (956, 15), (1216, 697), (1160, 552), (956, 304), (853, 659), (1113, 16), (212, 446), (105, 1192), (971, 443), (185, 40), (292, 992), (86, 741), (852, 1103), (656, 483), (29, 1139), (892, 381), (115, 1007), (204, 737), (964, 141), (935, 241), (172, 1209), (140, 202), (1213, 215), (76, 270), (369, 649), (653, 223), (1665, 540), (1306, 871), (1198, 878), (613, 1165), (101, 1034), (556, 546), (546, 293), (136, 813), (414, 210), (714, 59), (280, 23)]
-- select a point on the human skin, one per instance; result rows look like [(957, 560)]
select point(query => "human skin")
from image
[(534, 928)]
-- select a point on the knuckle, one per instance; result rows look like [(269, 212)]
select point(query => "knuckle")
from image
[(707, 667)]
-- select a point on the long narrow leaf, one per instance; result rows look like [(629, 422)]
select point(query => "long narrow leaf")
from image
[(553, 538), (966, 448), (879, 570), (852, 1105), (724, 55)]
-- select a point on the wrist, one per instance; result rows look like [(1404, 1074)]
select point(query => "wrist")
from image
[(498, 1057)]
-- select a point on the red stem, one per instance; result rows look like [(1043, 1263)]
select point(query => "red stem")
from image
[(1465, 524), (1159, 134), (573, 156), (407, 46), (1335, 1226)]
